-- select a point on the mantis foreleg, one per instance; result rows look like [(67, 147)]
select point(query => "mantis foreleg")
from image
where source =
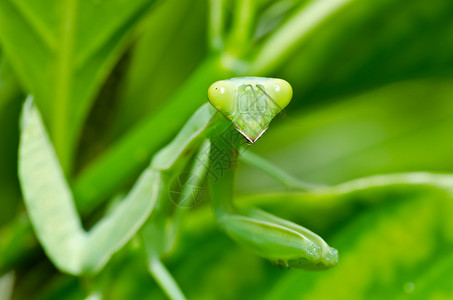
[(50, 204)]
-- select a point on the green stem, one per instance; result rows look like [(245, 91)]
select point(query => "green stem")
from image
[(275, 172), (244, 16), (62, 98), (165, 280), (216, 24), (276, 49)]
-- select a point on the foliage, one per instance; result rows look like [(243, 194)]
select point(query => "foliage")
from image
[(116, 80)]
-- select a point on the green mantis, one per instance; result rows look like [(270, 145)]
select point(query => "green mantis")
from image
[(209, 146)]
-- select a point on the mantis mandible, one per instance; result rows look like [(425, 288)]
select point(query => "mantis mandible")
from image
[(249, 103)]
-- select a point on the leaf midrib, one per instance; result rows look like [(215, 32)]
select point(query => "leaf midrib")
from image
[(63, 84)]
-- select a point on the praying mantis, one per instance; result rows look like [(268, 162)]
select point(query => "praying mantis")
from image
[(209, 145)]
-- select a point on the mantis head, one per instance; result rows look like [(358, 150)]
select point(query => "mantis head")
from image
[(250, 102)]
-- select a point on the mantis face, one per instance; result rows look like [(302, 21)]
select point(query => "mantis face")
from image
[(250, 102)]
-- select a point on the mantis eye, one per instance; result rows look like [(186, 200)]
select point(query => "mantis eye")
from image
[(281, 93), (222, 96)]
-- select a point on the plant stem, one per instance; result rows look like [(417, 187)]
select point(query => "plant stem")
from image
[(275, 172), (61, 114), (216, 24), (244, 16), (165, 280), (284, 40)]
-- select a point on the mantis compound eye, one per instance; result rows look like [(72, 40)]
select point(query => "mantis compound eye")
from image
[(280, 92), (222, 96)]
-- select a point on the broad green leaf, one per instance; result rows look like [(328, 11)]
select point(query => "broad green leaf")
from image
[(62, 51), (157, 69)]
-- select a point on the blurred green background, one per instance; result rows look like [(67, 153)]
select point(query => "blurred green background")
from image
[(115, 80)]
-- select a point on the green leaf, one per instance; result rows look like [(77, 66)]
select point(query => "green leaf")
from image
[(157, 65), (62, 51)]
